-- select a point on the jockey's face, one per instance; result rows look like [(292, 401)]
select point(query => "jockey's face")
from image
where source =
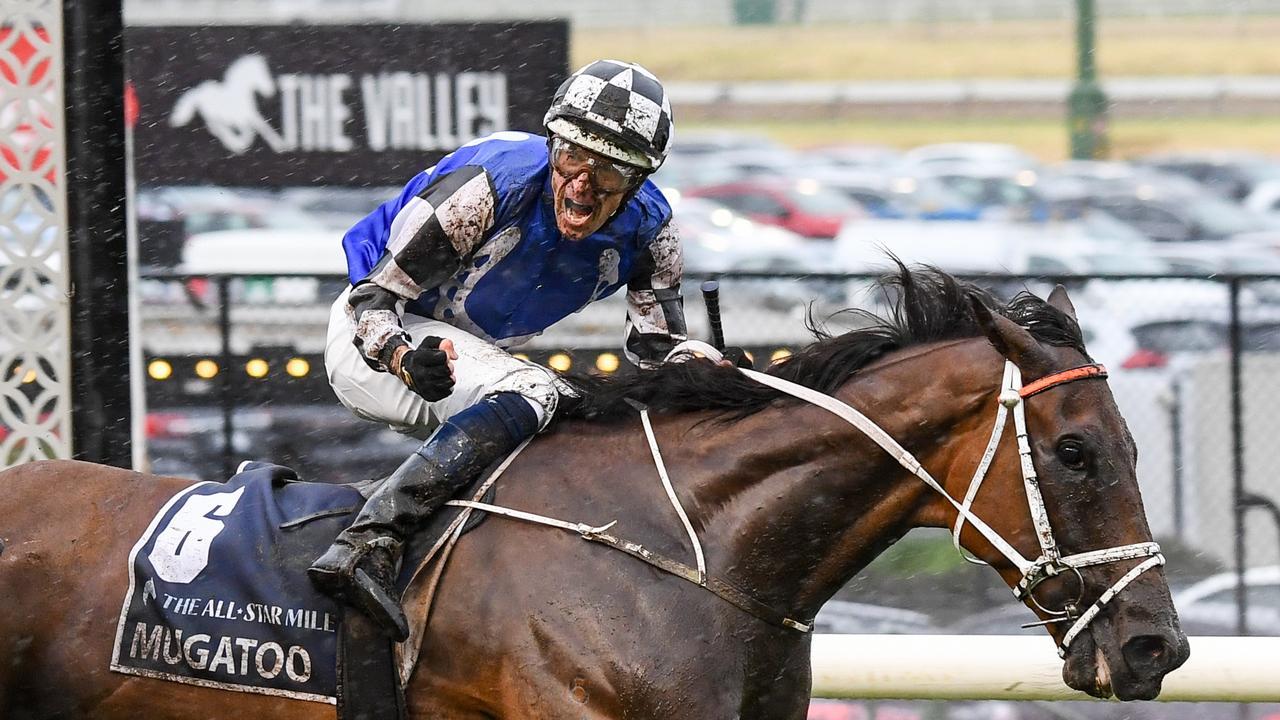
[(582, 205)]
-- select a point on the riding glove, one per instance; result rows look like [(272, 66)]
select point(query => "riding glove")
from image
[(425, 370)]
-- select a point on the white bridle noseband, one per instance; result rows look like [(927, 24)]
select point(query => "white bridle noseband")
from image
[(1051, 562)]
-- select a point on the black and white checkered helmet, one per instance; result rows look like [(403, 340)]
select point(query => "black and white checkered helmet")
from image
[(617, 109)]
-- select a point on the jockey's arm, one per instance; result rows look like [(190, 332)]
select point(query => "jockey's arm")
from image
[(655, 309), (427, 243)]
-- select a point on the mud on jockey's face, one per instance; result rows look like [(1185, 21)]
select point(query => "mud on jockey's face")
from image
[(587, 187)]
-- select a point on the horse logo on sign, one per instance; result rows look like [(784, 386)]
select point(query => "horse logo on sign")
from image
[(229, 107)]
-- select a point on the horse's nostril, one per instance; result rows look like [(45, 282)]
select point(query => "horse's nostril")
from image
[(1151, 652)]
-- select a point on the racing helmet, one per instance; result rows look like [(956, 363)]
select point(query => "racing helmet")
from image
[(617, 109)]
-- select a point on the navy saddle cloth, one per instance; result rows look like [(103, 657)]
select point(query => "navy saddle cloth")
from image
[(218, 592)]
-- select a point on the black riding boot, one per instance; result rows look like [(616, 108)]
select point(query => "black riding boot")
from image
[(361, 566)]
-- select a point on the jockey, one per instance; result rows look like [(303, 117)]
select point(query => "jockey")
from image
[(502, 238)]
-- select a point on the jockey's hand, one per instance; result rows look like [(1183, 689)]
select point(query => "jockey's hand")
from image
[(734, 356), (428, 368)]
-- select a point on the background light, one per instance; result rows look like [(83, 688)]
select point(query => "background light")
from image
[(607, 362), (560, 362), (206, 369), (297, 367), (257, 368), (159, 369), (779, 354)]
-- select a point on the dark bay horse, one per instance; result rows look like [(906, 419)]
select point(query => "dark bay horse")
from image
[(788, 500)]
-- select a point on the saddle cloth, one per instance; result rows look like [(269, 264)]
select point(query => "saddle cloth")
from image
[(218, 594)]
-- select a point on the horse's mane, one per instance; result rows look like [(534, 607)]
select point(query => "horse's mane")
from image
[(926, 306)]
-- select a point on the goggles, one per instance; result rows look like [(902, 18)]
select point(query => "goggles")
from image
[(608, 176)]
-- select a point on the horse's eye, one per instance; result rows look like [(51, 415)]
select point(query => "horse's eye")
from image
[(1071, 453)]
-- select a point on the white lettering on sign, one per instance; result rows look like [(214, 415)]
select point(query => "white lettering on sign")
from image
[(225, 655), (314, 113), (260, 613), (401, 110), (181, 551)]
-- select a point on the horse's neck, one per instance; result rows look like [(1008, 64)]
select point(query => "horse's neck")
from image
[(810, 501)]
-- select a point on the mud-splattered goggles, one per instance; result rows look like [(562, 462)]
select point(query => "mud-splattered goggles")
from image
[(607, 175)]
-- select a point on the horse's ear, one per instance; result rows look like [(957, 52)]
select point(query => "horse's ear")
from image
[(1009, 338), (1058, 299)]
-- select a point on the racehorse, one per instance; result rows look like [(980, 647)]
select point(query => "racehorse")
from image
[(787, 500)]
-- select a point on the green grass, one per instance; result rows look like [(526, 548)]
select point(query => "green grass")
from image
[(1021, 49), (1047, 139)]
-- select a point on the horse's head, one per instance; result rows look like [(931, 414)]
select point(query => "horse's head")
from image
[(1087, 561)]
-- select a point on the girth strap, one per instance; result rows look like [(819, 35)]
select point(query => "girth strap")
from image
[(721, 588)]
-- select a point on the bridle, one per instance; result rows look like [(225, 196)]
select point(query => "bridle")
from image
[(1050, 563)]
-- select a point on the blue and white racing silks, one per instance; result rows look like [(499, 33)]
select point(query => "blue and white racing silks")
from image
[(473, 242)]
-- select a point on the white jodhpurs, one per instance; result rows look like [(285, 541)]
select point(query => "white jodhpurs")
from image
[(481, 369)]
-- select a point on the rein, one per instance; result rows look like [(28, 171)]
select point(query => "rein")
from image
[(1049, 564)]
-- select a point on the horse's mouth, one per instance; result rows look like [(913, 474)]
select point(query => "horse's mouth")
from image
[(1094, 669)]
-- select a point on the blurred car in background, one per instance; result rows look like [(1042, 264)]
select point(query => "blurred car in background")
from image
[(994, 247), (337, 207), (1168, 215), (805, 207), (1008, 158), (1230, 174), (684, 171), (711, 142), (1264, 199), (1003, 192), (1209, 606), (852, 156), (888, 196), (717, 239), (209, 208), (762, 163)]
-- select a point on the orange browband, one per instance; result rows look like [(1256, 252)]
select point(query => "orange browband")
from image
[(1095, 370)]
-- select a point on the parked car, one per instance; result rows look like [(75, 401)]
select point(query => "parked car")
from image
[(891, 197), (1003, 192), (711, 142), (1209, 606), (717, 239), (1165, 323), (1264, 198), (806, 207), (992, 155), (1229, 174), (852, 156), (992, 247), (1174, 216), (336, 207)]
